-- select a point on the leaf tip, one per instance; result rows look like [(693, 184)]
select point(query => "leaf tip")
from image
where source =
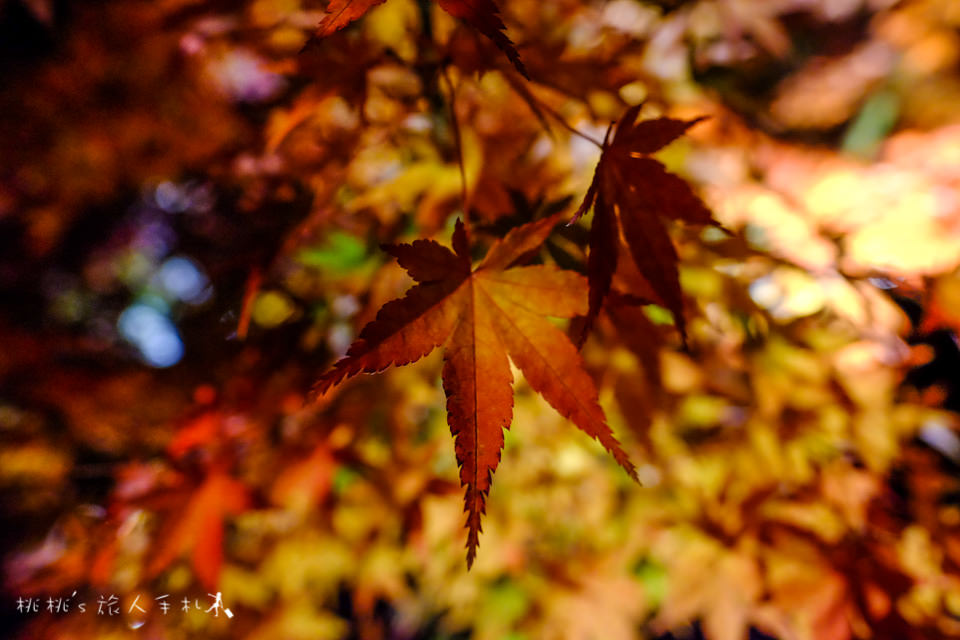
[(471, 555)]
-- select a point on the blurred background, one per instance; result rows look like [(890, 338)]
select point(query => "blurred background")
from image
[(193, 194)]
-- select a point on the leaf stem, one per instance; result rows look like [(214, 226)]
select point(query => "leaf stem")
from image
[(569, 127), (538, 105)]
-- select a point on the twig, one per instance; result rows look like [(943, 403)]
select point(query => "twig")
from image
[(458, 143)]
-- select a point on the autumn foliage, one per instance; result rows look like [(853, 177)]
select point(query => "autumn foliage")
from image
[(300, 298)]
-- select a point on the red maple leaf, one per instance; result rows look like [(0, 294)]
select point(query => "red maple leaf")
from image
[(485, 317), (482, 15), (630, 193)]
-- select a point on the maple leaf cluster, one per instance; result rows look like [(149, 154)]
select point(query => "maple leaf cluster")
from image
[(214, 217), (486, 314)]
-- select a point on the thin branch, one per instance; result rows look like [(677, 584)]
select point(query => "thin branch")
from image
[(458, 143)]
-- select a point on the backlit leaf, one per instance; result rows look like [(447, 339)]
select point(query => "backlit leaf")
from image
[(483, 317)]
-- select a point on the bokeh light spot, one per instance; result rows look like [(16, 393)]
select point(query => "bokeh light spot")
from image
[(153, 333)]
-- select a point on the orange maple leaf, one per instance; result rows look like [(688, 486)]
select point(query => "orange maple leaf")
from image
[(482, 15), (630, 191), (485, 316), (200, 528)]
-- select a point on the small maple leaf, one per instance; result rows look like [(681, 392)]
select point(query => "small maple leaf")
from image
[(482, 15), (630, 192), (484, 316)]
